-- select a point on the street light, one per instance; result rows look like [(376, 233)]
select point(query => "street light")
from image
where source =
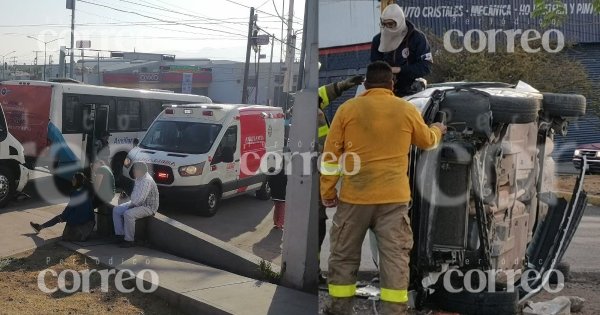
[(3, 63), (45, 44)]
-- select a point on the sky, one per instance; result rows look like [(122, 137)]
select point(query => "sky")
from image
[(215, 29)]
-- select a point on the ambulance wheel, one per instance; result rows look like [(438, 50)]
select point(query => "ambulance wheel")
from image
[(7, 186), (264, 193), (210, 203)]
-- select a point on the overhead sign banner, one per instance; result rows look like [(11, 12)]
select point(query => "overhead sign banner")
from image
[(186, 83), (262, 40), (83, 44), (182, 69)]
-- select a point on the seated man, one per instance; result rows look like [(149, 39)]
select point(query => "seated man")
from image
[(78, 214), (143, 203)]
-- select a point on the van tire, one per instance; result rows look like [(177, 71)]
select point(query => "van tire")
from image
[(494, 303), (264, 193), (210, 202), (564, 105), (7, 184), (514, 110)]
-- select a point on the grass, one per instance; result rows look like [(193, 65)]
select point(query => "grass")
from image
[(266, 269), (20, 294)]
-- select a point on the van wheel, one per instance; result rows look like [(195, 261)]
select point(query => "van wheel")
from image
[(264, 193), (210, 203), (564, 105), (7, 186), (514, 110), (494, 303)]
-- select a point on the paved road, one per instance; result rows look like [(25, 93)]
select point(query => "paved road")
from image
[(583, 252), (243, 221)]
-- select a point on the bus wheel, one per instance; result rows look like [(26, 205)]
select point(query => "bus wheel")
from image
[(210, 203), (7, 185)]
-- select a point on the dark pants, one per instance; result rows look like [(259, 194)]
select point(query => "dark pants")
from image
[(52, 222), (322, 224), (72, 232)]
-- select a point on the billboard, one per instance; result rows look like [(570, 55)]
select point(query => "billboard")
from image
[(344, 23)]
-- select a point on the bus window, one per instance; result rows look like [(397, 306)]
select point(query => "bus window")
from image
[(71, 114), (150, 111), (128, 115)]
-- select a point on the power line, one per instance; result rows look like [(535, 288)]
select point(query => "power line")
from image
[(183, 13), (162, 20), (145, 24), (264, 12)]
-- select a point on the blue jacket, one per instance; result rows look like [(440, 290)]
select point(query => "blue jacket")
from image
[(79, 210), (413, 56)]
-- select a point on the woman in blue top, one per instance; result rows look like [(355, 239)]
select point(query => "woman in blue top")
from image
[(79, 213)]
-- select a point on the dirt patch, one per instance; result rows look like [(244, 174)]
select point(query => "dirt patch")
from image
[(565, 183), (20, 294), (584, 285)]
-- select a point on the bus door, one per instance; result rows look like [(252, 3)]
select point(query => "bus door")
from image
[(95, 124)]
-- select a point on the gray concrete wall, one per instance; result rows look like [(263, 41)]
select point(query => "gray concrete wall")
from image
[(176, 238)]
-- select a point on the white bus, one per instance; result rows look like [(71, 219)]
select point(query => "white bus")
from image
[(58, 123)]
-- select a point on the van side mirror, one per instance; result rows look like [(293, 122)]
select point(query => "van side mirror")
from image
[(136, 141)]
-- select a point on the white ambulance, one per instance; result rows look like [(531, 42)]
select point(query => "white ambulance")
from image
[(201, 153), (13, 173)]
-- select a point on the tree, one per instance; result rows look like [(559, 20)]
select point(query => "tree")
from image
[(547, 72), (554, 12)]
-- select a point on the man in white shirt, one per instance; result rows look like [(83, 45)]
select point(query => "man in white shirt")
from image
[(143, 203)]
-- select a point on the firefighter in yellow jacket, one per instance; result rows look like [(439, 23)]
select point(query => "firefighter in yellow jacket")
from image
[(368, 143)]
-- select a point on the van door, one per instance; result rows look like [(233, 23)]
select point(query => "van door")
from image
[(226, 160), (3, 127), (95, 124), (253, 138)]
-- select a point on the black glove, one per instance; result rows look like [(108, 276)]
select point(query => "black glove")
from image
[(351, 82)]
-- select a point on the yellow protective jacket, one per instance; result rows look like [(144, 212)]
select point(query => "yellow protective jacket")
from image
[(327, 93), (368, 143)]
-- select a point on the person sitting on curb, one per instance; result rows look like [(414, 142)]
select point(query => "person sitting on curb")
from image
[(78, 214), (143, 203), (104, 183)]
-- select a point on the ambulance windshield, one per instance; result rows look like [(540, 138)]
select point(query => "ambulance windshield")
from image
[(180, 137)]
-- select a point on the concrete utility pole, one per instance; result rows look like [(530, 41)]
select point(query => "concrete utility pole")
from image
[(257, 76), (248, 48), (300, 250), (290, 52), (270, 81), (302, 56), (71, 5)]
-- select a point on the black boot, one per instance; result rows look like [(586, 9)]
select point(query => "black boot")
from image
[(36, 227)]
